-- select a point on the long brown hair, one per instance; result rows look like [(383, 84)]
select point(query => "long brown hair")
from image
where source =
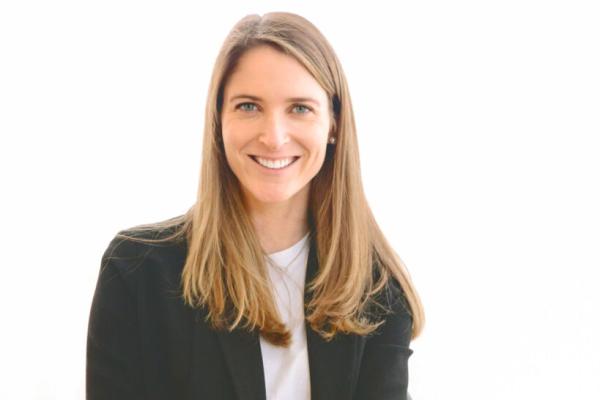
[(225, 271)]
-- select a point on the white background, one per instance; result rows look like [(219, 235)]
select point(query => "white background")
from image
[(478, 122)]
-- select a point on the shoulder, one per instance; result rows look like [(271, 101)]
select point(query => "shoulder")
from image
[(142, 250), (391, 307), (393, 296)]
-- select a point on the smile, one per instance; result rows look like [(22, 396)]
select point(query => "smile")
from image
[(279, 163)]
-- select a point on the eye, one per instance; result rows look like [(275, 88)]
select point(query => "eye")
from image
[(301, 108), (248, 107)]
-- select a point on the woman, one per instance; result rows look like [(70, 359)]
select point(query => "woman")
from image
[(277, 283)]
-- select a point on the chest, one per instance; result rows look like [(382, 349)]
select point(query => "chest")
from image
[(184, 358)]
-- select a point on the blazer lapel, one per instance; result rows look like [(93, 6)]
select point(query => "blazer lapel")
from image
[(333, 365), (244, 359)]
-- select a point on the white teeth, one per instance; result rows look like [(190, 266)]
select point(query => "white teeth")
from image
[(277, 164)]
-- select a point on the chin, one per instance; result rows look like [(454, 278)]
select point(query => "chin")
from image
[(271, 197), (272, 194)]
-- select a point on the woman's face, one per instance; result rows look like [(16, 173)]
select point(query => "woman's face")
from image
[(275, 122)]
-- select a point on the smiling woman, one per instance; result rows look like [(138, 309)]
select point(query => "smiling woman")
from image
[(273, 149), (277, 283)]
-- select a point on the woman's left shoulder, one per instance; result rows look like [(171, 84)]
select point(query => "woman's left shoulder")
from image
[(394, 311)]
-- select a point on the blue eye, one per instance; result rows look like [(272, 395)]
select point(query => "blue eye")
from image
[(250, 107), (302, 107), (247, 106)]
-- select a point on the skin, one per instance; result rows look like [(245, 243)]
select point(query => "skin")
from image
[(275, 124)]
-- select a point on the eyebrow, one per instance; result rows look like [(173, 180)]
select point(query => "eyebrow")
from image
[(291, 99)]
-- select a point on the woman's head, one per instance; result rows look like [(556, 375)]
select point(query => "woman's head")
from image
[(275, 122), (278, 57)]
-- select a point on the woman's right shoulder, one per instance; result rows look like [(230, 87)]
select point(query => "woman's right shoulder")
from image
[(132, 248)]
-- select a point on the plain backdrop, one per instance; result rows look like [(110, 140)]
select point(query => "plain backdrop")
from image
[(479, 127)]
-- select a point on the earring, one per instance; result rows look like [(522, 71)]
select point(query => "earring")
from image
[(332, 140)]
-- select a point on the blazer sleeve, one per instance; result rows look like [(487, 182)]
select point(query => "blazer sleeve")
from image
[(383, 371), (113, 367)]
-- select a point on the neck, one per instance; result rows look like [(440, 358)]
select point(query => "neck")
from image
[(279, 225)]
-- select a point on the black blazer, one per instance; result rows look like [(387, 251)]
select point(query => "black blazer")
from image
[(144, 343)]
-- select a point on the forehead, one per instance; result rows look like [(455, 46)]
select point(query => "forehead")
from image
[(266, 72)]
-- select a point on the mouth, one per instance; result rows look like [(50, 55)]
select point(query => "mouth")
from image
[(274, 164)]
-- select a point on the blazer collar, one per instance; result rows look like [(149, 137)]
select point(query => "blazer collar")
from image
[(333, 365)]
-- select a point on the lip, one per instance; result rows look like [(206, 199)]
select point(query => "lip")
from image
[(273, 171), (272, 158)]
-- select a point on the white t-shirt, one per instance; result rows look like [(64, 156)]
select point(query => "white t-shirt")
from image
[(286, 368)]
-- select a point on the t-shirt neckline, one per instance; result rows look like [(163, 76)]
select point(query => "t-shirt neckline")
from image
[(290, 251)]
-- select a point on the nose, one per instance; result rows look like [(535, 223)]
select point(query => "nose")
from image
[(274, 131)]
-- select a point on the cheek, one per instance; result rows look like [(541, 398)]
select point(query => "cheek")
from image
[(226, 133), (232, 139), (319, 138), (317, 146), (230, 145)]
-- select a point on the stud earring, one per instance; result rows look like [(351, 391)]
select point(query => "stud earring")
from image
[(332, 140)]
